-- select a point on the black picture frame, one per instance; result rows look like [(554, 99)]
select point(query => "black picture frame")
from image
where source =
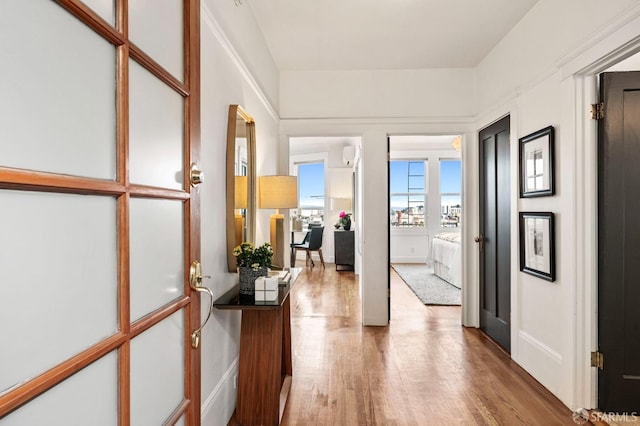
[(537, 244), (537, 171)]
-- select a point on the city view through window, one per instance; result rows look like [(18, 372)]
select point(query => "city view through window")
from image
[(450, 192), (409, 195), (408, 192), (311, 193)]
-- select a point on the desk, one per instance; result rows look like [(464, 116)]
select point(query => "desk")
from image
[(264, 371)]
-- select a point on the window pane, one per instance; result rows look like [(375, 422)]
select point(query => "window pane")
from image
[(157, 371), (311, 192), (450, 176), (156, 131), (89, 397), (58, 260), (407, 210), (157, 28), (105, 8), (416, 183), (57, 92), (450, 187), (416, 168), (157, 254), (407, 186), (398, 176)]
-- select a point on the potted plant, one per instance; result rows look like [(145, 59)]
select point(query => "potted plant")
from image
[(253, 262), (345, 220)]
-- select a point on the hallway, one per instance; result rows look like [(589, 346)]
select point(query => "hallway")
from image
[(423, 369)]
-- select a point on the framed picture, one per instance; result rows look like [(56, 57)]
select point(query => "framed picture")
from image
[(536, 164), (537, 244)]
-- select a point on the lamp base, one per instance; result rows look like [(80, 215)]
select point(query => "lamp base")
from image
[(276, 228), (239, 229)]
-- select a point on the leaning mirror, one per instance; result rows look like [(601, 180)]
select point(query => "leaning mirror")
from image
[(241, 166)]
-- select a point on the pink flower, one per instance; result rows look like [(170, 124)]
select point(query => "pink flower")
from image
[(342, 214)]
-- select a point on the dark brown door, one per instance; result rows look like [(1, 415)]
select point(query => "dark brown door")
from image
[(619, 240), (494, 242)]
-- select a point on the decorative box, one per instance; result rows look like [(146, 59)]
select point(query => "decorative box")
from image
[(266, 289)]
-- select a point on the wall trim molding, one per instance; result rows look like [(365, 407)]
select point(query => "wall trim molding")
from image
[(216, 392), (212, 24), (378, 121), (409, 259), (580, 59), (548, 351)]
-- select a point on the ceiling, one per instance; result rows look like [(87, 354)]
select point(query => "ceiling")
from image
[(383, 34)]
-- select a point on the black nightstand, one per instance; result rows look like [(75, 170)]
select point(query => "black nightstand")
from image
[(344, 248)]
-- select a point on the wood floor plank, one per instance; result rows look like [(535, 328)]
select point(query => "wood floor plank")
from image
[(423, 369)]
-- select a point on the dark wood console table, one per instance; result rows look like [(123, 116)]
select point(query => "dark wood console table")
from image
[(265, 369)]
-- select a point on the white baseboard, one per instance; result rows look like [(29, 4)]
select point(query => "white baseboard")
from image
[(409, 259), (542, 362), (218, 407)]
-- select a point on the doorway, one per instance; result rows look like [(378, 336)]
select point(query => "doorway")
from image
[(494, 241), (325, 170), (425, 215)]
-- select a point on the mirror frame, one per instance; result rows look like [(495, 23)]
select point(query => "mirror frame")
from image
[(237, 113)]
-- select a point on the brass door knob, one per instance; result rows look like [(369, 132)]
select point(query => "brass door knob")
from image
[(196, 176)]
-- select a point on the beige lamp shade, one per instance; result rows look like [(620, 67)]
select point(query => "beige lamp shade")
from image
[(341, 204), (277, 192), (241, 198)]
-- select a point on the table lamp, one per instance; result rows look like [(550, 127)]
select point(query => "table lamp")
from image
[(338, 204), (240, 203), (277, 192)]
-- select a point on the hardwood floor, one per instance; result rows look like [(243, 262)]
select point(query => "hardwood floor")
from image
[(423, 369)]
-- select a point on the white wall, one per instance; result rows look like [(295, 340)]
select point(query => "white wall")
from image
[(550, 33), (538, 73), (380, 93), (225, 81), (245, 41), (530, 77)]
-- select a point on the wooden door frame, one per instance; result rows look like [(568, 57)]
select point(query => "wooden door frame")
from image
[(585, 80), (123, 191), (193, 366)]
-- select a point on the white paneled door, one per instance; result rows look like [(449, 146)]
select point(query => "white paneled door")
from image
[(99, 224)]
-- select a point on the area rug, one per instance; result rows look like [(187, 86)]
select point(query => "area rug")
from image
[(430, 289)]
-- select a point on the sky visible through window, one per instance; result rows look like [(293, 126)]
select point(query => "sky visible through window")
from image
[(450, 190), (311, 181), (311, 185), (450, 176), (450, 172)]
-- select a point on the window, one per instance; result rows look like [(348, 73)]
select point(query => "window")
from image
[(408, 194), (450, 190), (311, 193)]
